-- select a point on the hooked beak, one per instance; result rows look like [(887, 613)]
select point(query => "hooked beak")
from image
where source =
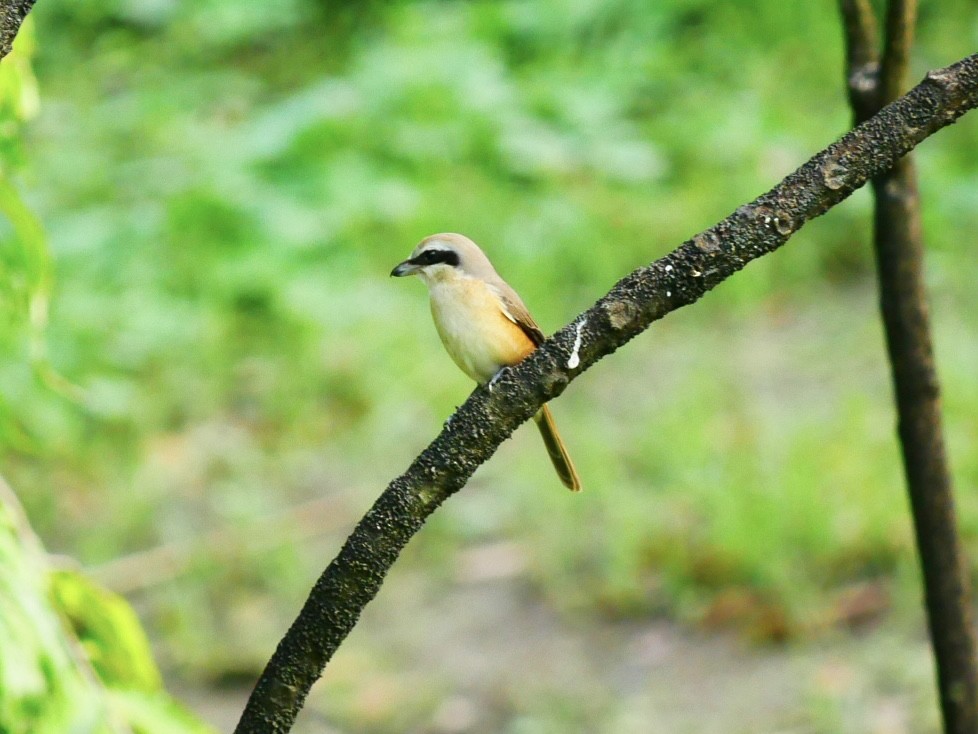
[(405, 268)]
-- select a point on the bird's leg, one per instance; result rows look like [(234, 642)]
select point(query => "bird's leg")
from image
[(503, 371)]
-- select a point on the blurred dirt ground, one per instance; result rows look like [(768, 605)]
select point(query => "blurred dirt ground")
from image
[(487, 656)]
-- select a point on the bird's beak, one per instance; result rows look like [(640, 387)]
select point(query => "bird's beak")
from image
[(405, 268)]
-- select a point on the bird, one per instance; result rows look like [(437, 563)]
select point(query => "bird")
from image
[(482, 322)]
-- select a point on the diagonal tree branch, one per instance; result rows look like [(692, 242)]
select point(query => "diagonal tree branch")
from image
[(12, 14), (898, 245), (647, 294)]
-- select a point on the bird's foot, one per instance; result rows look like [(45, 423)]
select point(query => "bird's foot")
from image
[(503, 371)]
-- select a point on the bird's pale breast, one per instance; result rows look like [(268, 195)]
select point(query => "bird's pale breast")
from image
[(474, 328)]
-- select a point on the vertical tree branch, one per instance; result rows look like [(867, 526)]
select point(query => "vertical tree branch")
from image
[(898, 246), (901, 17), (12, 14), (862, 60)]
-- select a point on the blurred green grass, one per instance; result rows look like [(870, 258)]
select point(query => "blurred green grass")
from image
[(225, 190)]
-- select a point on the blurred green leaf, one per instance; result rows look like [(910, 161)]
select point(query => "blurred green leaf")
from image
[(108, 630), (19, 99), (98, 676)]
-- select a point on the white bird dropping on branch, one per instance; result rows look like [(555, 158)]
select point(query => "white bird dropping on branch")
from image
[(575, 358)]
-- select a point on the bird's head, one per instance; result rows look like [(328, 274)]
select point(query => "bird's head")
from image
[(443, 256)]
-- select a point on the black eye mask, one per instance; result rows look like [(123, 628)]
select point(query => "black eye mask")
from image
[(433, 257)]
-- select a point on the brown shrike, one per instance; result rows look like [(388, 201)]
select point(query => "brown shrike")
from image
[(482, 322)]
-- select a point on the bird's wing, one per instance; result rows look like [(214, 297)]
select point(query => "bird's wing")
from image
[(514, 310)]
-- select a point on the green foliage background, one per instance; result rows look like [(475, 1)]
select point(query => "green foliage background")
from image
[(225, 186)]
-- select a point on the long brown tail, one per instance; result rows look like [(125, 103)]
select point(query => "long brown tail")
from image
[(557, 450)]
